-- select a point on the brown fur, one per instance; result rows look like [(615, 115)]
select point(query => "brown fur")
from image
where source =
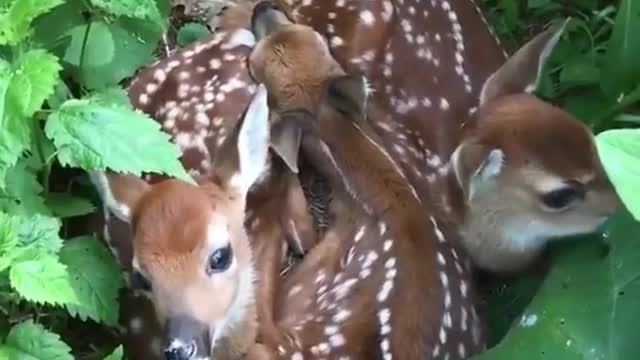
[(371, 189), (281, 211)]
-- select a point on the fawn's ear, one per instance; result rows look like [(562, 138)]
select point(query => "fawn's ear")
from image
[(349, 94), (475, 166), (244, 155), (285, 141), (120, 193), (522, 71)]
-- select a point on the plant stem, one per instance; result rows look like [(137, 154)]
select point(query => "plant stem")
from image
[(85, 40), (629, 99)]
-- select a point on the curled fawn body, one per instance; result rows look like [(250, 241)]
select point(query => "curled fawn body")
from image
[(353, 295), (462, 122), (198, 94)]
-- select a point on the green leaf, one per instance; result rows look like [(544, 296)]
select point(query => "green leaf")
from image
[(191, 32), (14, 129), (128, 141), (61, 93), (142, 9), (621, 70), (134, 42), (589, 304), (620, 154), (35, 74), (113, 96), (30, 341), (117, 354), (95, 278), (65, 205), (16, 18), (39, 232), (43, 280), (8, 240), (580, 72), (98, 45), (23, 189)]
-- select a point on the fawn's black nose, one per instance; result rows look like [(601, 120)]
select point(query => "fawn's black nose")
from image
[(266, 17), (262, 7), (180, 351)]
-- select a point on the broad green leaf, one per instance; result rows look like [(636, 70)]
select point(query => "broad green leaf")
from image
[(24, 191), (52, 29), (35, 74), (588, 104), (580, 72), (30, 341), (621, 72), (95, 277), (117, 354), (39, 232), (8, 240), (113, 96), (14, 128), (61, 93), (588, 305), (16, 18), (43, 280), (619, 151), (135, 42), (65, 205), (98, 45), (142, 9), (191, 32), (128, 141)]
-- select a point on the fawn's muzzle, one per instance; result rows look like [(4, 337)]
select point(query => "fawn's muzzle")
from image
[(266, 17), (186, 339)]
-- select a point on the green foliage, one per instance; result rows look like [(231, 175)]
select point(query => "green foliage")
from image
[(620, 149), (588, 304), (117, 354), (62, 105), (125, 136), (42, 279), (143, 9), (16, 16), (95, 278), (191, 32), (31, 341)]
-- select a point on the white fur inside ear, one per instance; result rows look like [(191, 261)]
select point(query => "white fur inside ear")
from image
[(544, 55), (485, 87), (101, 183), (240, 37), (492, 166), (253, 142), (489, 170)]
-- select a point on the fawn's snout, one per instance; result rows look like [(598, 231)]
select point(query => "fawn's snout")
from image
[(265, 18), (186, 339)]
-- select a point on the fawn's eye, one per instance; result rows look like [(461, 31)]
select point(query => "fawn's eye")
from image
[(140, 282), (220, 260), (561, 198)]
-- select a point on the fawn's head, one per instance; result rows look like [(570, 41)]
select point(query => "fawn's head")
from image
[(291, 59), (191, 251), (528, 167)]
